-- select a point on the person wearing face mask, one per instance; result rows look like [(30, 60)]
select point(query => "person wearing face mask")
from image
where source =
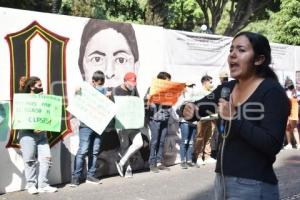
[(35, 149), (128, 88), (89, 142)]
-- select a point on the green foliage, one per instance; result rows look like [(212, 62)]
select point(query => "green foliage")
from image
[(286, 23), (114, 10), (184, 15), (36, 5)]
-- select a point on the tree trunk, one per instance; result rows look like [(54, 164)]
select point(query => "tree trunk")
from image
[(56, 6)]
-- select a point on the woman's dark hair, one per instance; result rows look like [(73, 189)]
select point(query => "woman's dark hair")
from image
[(99, 76), (163, 75), (94, 26), (261, 46), (29, 83)]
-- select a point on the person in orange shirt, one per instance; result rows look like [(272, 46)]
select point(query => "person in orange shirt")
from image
[(291, 128)]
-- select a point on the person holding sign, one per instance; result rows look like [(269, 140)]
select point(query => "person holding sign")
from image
[(128, 88), (35, 149), (89, 142), (159, 115)]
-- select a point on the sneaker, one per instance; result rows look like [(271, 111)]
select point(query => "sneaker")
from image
[(298, 146), (288, 147), (119, 168), (32, 190), (93, 180), (160, 166), (183, 165), (154, 169), (128, 173), (200, 162), (191, 164), (48, 188), (74, 182), (210, 161)]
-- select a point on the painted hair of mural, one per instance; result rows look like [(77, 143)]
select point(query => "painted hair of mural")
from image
[(110, 47)]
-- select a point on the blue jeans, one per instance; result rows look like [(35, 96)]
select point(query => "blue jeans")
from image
[(159, 130), (247, 189), (89, 144), (36, 154), (188, 132)]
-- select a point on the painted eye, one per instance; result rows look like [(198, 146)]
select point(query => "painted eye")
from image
[(121, 60), (97, 60)]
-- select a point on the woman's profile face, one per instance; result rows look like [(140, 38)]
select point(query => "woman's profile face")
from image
[(241, 58), (109, 52)]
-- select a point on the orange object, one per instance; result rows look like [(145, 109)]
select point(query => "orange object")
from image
[(165, 92)]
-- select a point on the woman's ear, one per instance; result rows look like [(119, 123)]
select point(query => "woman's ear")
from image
[(259, 60)]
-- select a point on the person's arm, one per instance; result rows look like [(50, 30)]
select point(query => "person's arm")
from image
[(268, 136), (201, 108)]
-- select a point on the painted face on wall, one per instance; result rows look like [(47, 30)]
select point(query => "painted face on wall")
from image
[(109, 52), (241, 58)]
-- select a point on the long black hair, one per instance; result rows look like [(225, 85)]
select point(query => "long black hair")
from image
[(261, 46)]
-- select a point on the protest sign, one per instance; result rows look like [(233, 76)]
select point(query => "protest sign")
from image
[(165, 92), (130, 112), (37, 112), (92, 108)]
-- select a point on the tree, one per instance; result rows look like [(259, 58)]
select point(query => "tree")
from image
[(212, 11), (184, 15), (115, 10), (156, 12), (56, 6), (36, 5), (241, 12), (286, 23)]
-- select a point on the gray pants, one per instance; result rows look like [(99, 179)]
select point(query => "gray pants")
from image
[(36, 155)]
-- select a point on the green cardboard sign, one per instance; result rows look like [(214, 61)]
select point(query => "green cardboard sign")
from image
[(130, 112), (37, 112)]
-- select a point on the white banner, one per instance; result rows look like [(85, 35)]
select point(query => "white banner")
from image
[(92, 108)]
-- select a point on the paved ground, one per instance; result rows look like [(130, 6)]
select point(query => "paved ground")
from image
[(176, 184)]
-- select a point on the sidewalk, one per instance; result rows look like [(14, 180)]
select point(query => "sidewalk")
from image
[(176, 184)]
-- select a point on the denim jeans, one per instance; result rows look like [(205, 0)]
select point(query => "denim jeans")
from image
[(36, 154), (246, 189), (159, 130), (188, 132), (89, 145)]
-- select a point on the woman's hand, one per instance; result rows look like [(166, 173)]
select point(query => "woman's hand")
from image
[(226, 109), (189, 111)]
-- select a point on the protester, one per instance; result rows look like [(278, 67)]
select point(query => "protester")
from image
[(291, 129), (22, 83), (187, 129), (158, 122), (35, 149), (223, 76), (202, 148), (89, 142), (127, 136), (255, 121)]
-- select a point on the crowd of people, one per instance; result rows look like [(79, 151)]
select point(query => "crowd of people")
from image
[(243, 138)]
